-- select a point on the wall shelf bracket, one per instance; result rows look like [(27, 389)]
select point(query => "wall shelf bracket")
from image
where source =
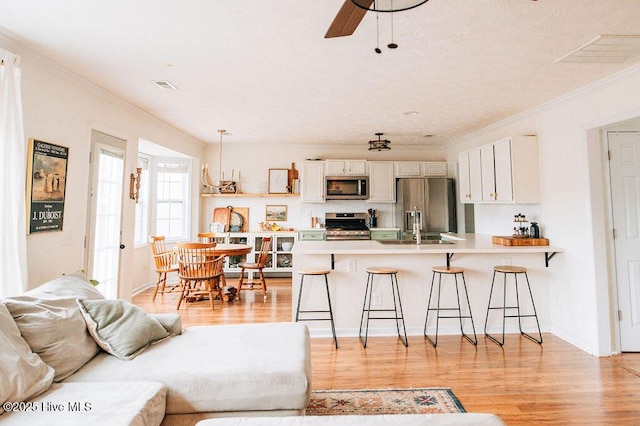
[(547, 258)]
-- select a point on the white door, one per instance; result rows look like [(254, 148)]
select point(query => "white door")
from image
[(105, 212), (625, 194)]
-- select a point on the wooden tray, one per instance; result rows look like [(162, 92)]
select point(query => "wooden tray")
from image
[(519, 241)]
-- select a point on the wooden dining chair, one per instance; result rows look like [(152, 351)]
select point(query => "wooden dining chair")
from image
[(258, 265), (207, 237), (200, 271), (165, 261)]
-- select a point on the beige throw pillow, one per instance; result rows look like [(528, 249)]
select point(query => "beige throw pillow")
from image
[(120, 328), (50, 321), (22, 373)]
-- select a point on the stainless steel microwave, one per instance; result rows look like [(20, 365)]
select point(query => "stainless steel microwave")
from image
[(347, 188)]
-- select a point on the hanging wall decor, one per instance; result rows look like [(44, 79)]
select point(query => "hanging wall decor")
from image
[(46, 185)]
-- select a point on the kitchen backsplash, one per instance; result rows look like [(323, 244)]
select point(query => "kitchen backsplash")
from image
[(497, 219), (384, 211)]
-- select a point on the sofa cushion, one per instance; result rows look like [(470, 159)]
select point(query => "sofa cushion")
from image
[(22, 373), (220, 368), (120, 328), (50, 321), (114, 403)]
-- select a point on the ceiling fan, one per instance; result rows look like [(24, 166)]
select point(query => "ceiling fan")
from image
[(352, 11)]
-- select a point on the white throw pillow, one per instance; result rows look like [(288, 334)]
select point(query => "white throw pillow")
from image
[(22, 373), (50, 321), (120, 328)]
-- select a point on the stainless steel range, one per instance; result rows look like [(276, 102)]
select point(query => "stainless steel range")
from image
[(346, 226)]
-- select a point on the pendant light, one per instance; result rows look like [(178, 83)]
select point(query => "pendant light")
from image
[(380, 144)]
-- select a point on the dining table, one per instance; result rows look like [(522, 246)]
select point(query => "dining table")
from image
[(230, 249)]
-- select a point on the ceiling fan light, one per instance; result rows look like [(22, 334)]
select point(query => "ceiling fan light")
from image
[(388, 5)]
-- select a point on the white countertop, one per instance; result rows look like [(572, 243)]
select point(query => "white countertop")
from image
[(461, 243)]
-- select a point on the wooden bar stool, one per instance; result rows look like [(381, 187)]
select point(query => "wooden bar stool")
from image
[(303, 273), (449, 270), (397, 304), (513, 270)]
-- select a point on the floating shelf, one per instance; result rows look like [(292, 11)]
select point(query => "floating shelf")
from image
[(248, 195)]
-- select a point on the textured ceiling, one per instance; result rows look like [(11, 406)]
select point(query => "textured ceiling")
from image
[(263, 70)]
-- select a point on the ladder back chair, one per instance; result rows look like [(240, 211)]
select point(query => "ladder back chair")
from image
[(258, 265), (200, 271), (165, 262)]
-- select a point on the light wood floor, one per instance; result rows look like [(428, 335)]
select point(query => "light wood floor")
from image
[(522, 382)]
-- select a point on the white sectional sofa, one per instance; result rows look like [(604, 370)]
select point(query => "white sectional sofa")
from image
[(93, 361)]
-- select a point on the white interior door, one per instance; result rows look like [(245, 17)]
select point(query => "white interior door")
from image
[(107, 184), (625, 193)]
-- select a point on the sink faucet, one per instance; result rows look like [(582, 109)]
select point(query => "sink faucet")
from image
[(416, 224)]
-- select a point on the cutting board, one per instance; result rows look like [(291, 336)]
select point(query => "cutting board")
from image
[(519, 241), (222, 215)]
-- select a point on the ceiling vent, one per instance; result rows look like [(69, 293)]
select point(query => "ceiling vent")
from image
[(612, 49), (165, 85)]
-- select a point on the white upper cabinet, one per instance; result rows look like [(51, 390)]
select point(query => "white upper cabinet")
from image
[(508, 172), (470, 176), (382, 182), (312, 182), (420, 169), (346, 167), (434, 169), (408, 169)]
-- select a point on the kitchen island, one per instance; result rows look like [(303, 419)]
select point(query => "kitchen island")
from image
[(476, 253)]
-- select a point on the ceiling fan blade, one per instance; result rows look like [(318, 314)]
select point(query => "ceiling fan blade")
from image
[(347, 20)]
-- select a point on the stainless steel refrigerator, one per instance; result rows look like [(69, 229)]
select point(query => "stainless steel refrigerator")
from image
[(435, 201)]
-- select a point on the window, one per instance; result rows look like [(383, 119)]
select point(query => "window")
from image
[(172, 199), (142, 207)]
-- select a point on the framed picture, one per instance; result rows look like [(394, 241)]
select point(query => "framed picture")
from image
[(278, 181), (276, 212), (46, 185)]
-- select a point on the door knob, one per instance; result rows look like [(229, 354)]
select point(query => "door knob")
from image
[(122, 246)]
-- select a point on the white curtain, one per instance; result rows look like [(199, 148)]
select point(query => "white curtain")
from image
[(13, 243)]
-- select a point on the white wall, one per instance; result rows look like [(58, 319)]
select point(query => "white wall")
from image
[(61, 108), (572, 206)]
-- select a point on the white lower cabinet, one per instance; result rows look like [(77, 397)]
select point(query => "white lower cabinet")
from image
[(280, 258)]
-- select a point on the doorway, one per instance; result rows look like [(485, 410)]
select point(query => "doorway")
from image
[(624, 171), (106, 187)]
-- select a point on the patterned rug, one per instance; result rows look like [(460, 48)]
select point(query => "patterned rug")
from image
[(383, 401)]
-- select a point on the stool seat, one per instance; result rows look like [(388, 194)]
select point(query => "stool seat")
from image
[(314, 272), (447, 270), (381, 270), (508, 269)]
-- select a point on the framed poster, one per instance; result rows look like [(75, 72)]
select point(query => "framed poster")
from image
[(278, 181), (46, 185), (276, 212)]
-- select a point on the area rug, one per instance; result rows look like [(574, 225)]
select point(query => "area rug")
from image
[(383, 401)]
